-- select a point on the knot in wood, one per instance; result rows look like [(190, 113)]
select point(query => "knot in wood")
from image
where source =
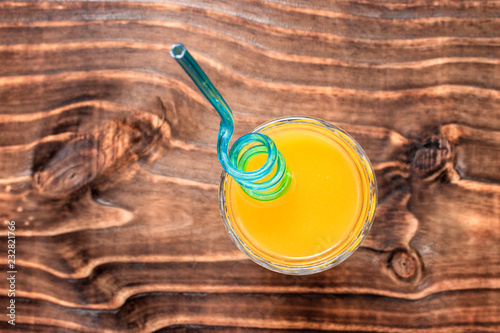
[(94, 155), (404, 265), (432, 156), (73, 167)]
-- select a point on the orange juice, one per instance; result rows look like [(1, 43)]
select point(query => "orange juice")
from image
[(324, 213)]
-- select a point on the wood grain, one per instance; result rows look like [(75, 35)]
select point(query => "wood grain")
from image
[(108, 162)]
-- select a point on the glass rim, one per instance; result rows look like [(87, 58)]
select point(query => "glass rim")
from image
[(327, 262)]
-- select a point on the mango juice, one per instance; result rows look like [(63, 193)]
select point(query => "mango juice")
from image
[(323, 213)]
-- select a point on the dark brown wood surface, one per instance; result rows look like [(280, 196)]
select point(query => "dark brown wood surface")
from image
[(108, 163)]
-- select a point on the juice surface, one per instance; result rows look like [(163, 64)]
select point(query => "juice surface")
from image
[(320, 209)]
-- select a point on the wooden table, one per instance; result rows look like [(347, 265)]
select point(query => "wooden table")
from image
[(117, 225)]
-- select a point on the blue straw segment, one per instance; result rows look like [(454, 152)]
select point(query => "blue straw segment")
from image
[(268, 182)]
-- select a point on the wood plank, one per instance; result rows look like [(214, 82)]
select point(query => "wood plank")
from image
[(276, 312), (108, 162)]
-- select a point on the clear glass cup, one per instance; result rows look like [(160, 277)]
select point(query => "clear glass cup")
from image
[(332, 256)]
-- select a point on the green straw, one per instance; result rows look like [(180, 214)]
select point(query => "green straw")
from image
[(234, 161)]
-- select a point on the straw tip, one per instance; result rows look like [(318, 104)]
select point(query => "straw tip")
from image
[(177, 51)]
